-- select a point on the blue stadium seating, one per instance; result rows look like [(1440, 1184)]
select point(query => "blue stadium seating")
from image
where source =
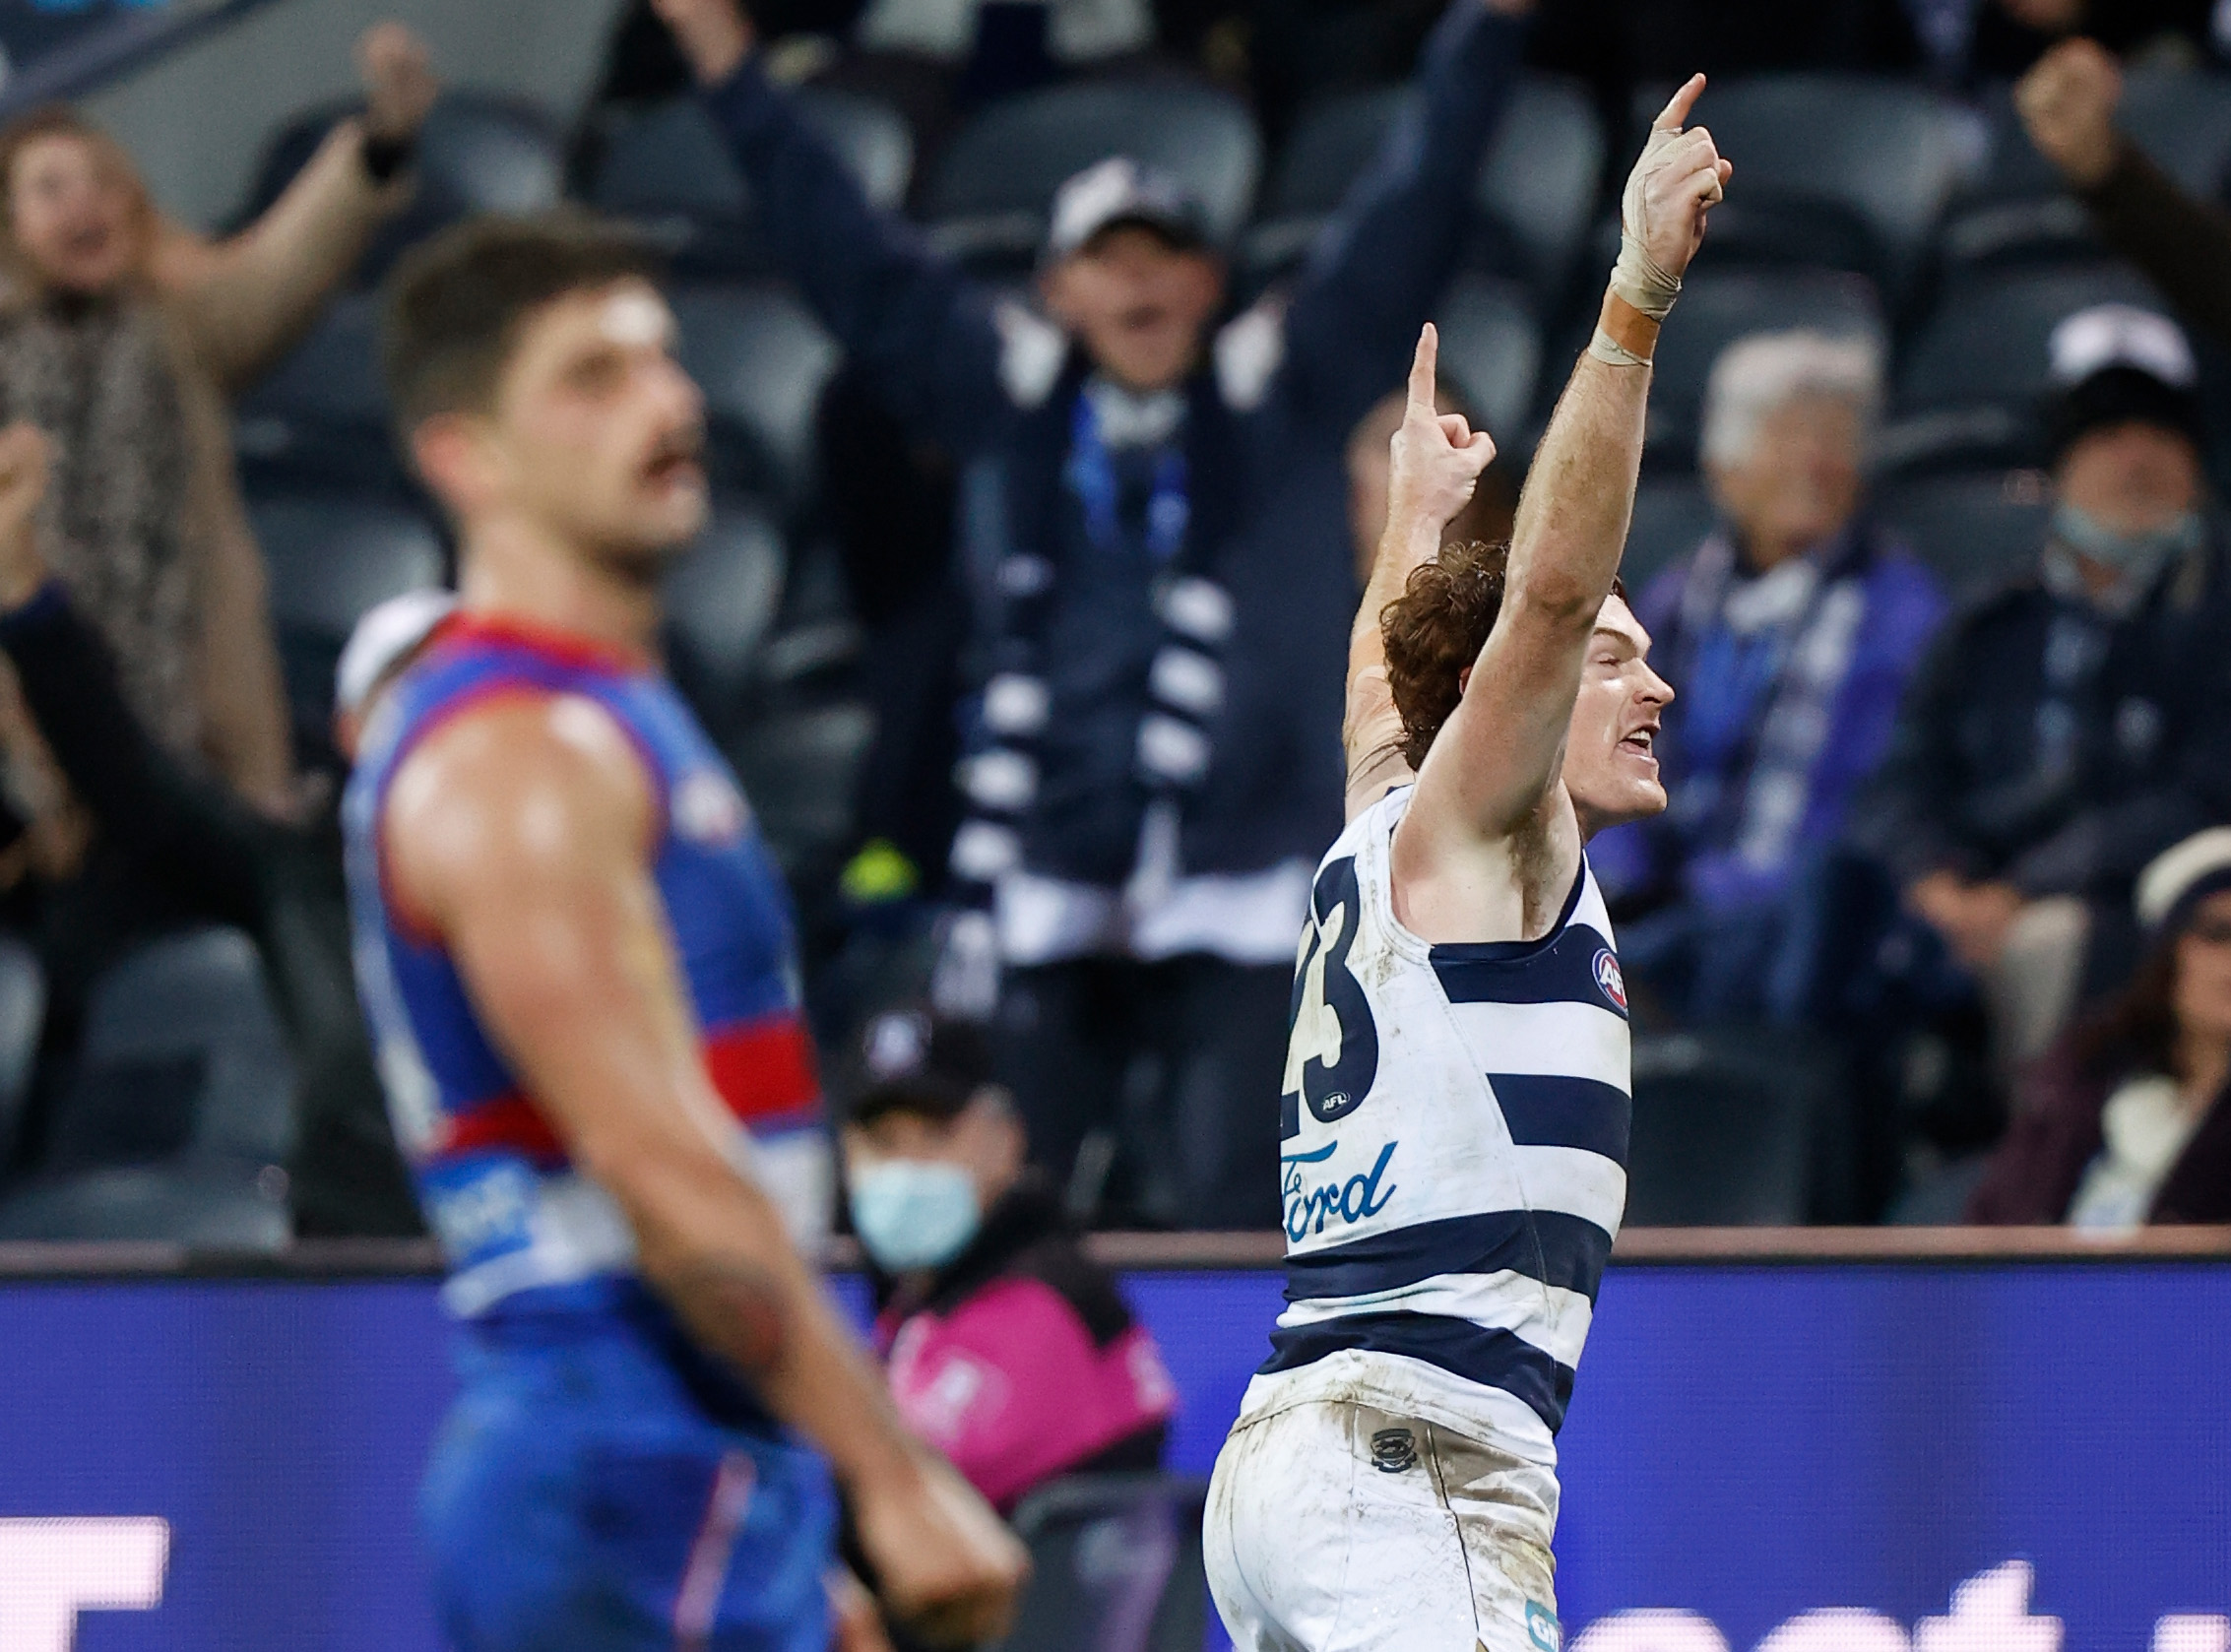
[(989, 195), (763, 362), (665, 167), (1969, 389), (1492, 350), (180, 1111)]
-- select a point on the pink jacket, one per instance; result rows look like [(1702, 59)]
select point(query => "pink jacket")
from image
[(1010, 1381)]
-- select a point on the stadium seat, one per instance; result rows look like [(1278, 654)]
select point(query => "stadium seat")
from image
[(1718, 307), (23, 1018), (666, 166), (2018, 210), (332, 556), (194, 1000), (762, 361), (1968, 394), (1975, 531), (990, 194), (480, 152), (800, 769), (320, 418), (179, 1112), (1492, 350), (1671, 516), (719, 601), (1813, 147), (1535, 188), (1119, 1553), (205, 1207), (2182, 118), (1732, 1129)]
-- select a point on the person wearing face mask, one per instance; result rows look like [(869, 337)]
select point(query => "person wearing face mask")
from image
[(2068, 728), (1009, 1347), (1793, 628)]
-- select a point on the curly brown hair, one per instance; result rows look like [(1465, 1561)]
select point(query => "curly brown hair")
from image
[(1436, 628)]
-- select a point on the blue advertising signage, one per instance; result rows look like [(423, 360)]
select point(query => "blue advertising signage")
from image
[(1912, 1458)]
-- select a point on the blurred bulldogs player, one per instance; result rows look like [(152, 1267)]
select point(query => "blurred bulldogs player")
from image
[(577, 960), (1456, 1097)]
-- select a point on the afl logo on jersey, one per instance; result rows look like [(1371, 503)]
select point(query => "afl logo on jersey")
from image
[(708, 809), (1609, 980)]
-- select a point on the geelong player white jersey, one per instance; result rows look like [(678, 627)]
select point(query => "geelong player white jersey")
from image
[(1455, 1123)]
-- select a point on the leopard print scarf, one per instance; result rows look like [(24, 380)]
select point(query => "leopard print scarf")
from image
[(101, 379)]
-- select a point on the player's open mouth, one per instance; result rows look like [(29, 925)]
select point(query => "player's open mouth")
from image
[(1642, 742), (674, 460)]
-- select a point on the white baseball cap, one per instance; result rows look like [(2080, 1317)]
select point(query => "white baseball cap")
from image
[(2199, 867), (388, 634)]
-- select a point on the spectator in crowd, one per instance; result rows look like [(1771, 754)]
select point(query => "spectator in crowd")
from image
[(1164, 583), (121, 335), (1371, 467), (2068, 728), (167, 846), (1009, 1349), (2129, 1120), (1792, 631), (2067, 104)]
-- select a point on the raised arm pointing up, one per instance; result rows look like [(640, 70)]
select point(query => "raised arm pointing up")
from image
[(1551, 733)]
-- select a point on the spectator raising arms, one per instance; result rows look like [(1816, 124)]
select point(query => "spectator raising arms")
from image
[(2184, 245), (1167, 585), (121, 335), (2066, 730), (2127, 1121), (1792, 631), (1009, 1349)]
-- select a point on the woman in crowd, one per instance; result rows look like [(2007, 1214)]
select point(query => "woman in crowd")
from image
[(122, 336), (2126, 1122)]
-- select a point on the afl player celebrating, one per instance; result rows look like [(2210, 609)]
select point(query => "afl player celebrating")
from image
[(1456, 1103)]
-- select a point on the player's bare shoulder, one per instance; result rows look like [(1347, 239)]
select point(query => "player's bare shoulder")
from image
[(525, 780)]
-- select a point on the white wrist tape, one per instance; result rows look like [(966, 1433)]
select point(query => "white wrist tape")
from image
[(1604, 347), (1638, 279)]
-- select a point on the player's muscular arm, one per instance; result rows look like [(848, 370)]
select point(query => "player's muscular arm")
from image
[(1437, 460), (1493, 769), (520, 834)]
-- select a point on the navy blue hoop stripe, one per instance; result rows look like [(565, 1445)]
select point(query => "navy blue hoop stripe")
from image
[(1565, 1251), (1545, 1109), (1495, 1358), (1563, 971)]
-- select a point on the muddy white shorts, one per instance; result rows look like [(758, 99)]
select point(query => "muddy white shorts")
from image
[(1333, 1527)]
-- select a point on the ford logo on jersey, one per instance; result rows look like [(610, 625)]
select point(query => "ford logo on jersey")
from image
[(1310, 1204), (1609, 980)]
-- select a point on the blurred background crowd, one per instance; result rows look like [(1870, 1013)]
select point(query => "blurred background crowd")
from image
[(1937, 928)]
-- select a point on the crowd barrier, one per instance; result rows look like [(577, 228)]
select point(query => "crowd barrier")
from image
[(1814, 1441)]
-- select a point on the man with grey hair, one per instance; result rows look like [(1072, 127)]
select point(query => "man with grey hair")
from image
[(1792, 629)]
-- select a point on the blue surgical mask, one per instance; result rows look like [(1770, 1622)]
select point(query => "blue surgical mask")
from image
[(913, 1213), (2140, 557)]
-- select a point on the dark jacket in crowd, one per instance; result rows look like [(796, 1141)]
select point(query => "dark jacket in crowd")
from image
[(173, 847), (2035, 1172), (2050, 747), (1271, 413), (1020, 1361)]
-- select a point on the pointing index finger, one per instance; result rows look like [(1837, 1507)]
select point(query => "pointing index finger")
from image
[(1675, 114), (1424, 367)]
